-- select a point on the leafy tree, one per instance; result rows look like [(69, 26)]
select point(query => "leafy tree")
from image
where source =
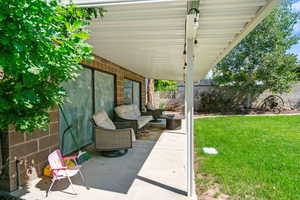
[(41, 45), (298, 72), (261, 61), (165, 85)]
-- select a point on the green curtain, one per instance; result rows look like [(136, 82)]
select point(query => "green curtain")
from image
[(78, 109), (132, 92), (127, 91), (136, 93), (104, 92)]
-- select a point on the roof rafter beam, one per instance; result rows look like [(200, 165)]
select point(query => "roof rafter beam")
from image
[(225, 17), (231, 4), (145, 38), (109, 18)]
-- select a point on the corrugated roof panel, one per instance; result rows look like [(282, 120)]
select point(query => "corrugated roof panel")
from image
[(148, 38), (145, 38)]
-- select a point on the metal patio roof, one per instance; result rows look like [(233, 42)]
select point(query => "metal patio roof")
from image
[(148, 36)]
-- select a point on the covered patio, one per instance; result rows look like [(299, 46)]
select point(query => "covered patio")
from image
[(161, 39), (150, 168)]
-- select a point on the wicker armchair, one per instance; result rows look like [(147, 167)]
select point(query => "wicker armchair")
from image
[(132, 115), (106, 135), (156, 113)]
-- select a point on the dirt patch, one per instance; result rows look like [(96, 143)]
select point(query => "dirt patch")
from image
[(206, 187), (152, 132), (213, 194)]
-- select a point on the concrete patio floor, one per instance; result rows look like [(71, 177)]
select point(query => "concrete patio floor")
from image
[(151, 170)]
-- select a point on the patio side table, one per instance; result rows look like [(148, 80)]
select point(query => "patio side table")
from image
[(173, 122)]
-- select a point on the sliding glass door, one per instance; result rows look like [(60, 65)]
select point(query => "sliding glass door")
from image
[(104, 92), (132, 92), (75, 128), (136, 97), (92, 90)]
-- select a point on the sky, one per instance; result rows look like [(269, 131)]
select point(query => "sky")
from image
[(296, 48)]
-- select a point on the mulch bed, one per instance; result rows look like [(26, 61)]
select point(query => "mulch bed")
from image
[(151, 133)]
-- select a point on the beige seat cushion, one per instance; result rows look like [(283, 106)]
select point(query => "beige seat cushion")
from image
[(101, 119), (143, 120), (130, 112), (150, 106)]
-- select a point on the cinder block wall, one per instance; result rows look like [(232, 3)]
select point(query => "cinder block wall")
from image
[(32, 150)]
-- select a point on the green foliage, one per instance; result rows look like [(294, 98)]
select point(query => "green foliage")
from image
[(41, 46), (261, 61), (162, 105), (298, 72), (165, 85)]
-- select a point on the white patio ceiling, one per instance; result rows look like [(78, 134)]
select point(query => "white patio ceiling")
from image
[(148, 36)]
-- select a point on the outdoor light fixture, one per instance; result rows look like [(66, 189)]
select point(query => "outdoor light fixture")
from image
[(196, 19), (192, 24)]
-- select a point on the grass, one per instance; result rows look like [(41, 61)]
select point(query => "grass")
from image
[(259, 157)]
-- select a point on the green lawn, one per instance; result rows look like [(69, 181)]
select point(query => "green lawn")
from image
[(259, 157)]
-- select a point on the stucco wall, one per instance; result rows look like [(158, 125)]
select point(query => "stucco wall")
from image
[(291, 99)]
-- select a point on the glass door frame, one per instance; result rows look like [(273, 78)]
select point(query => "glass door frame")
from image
[(93, 85), (132, 94)]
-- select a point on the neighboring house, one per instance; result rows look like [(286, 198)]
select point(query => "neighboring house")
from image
[(139, 39)]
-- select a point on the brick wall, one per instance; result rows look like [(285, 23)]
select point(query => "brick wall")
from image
[(32, 150), (121, 74)]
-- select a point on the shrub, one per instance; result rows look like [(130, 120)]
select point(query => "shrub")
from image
[(41, 45)]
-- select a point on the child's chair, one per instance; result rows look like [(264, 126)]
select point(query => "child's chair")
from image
[(60, 170)]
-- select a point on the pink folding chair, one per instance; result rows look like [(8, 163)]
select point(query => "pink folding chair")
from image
[(60, 170)]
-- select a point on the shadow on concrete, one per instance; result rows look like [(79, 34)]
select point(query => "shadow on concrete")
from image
[(111, 174), (161, 185), (115, 175)]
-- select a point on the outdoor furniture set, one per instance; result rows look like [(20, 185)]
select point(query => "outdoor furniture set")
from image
[(113, 139)]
